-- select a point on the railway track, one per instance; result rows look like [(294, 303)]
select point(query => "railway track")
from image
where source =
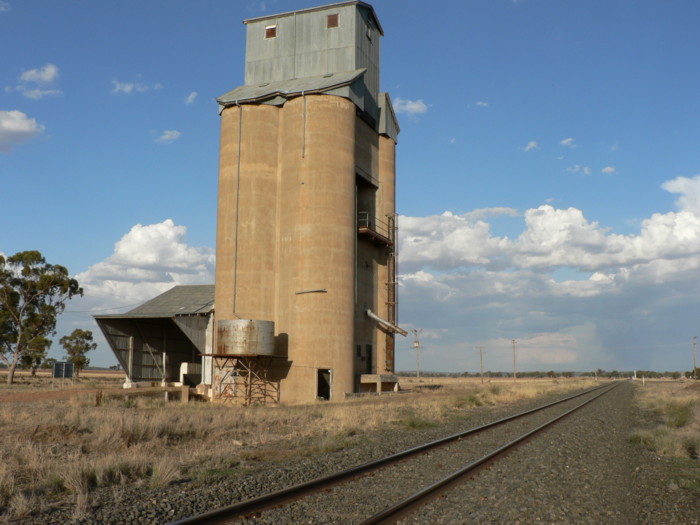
[(425, 472)]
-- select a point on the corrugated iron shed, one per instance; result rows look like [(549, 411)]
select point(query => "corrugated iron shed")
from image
[(154, 339), (180, 300)]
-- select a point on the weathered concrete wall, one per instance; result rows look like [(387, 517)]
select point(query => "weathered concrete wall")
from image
[(247, 213), (317, 242), (290, 186)]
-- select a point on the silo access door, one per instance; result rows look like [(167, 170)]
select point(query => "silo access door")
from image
[(323, 384)]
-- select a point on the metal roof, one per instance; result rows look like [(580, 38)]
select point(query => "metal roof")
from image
[(180, 300), (320, 8), (290, 88)]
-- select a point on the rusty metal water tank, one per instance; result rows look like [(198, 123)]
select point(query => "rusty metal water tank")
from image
[(246, 337)]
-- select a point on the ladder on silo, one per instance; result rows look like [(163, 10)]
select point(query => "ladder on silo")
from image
[(392, 298)]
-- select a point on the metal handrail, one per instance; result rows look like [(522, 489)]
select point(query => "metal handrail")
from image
[(371, 222)]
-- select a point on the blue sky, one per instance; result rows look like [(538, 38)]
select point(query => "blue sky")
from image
[(547, 166)]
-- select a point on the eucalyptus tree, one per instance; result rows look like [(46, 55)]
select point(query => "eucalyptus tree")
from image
[(33, 356), (76, 345), (32, 295)]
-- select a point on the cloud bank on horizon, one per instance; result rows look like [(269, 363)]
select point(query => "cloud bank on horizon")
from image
[(572, 294), (566, 289)]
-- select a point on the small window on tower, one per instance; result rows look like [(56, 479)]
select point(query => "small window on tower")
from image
[(332, 21), (271, 31)]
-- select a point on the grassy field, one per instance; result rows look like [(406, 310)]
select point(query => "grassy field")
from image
[(677, 408), (63, 450), (24, 382), (676, 436)]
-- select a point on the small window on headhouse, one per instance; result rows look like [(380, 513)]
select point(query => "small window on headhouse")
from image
[(332, 21), (271, 31)]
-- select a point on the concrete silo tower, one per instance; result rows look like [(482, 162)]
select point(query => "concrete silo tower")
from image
[(306, 233)]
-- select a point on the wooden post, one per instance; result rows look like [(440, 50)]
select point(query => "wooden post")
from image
[(185, 394)]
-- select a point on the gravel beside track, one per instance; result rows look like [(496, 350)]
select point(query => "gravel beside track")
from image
[(582, 470)]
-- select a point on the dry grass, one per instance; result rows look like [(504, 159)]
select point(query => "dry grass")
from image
[(677, 438), (677, 405), (65, 450)]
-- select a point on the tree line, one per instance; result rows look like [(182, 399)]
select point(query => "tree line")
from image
[(613, 374), (33, 293)]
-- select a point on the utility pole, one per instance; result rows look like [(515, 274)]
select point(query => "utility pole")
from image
[(416, 345), (695, 366), (515, 376), (481, 359)]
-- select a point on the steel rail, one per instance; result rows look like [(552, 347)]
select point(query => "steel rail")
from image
[(407, 505), (274, 499)]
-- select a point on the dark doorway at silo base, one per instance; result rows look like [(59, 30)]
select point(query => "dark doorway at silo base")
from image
[(323, 384)]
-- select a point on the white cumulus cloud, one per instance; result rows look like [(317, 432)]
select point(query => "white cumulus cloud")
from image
[(585, 170), (147, 261), (42, 75), (129, 88), (35, 83), (556, 238), (410, 107), (568, 142), (169, 136), (689, 190), (15, 128), (37, 93), (608, 170), (530, 146), (189, 99), (448, 241)]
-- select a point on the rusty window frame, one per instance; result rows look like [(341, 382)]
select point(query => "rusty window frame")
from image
[(332, 21), (271, 31)]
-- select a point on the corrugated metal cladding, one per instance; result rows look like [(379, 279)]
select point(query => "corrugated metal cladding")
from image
[(277, 92), (388, 125), (179, 300), (305, 46)]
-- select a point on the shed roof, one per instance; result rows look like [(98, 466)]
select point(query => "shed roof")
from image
[(290, 88), (320, 8), (180, 300)]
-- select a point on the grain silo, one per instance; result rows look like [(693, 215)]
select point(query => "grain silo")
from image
[(306, 232)]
